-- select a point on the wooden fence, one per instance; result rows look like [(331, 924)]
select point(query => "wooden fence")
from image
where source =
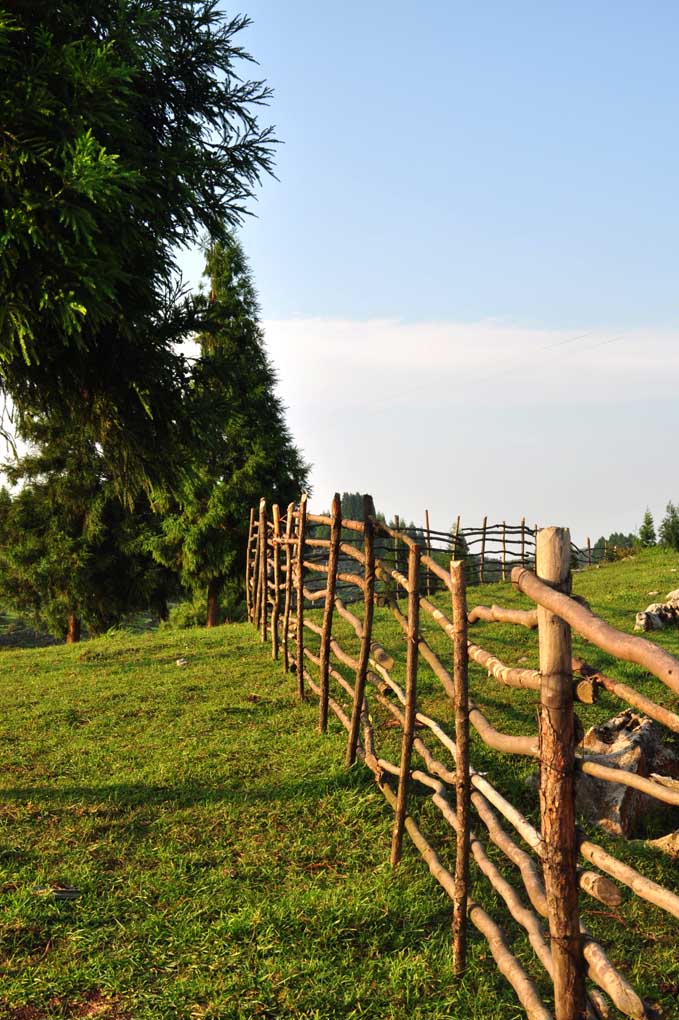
[(359, 687)]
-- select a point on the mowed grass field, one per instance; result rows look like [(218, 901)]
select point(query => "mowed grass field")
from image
[(222, 863)]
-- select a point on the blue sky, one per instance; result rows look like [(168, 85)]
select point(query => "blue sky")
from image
[(476, 209)]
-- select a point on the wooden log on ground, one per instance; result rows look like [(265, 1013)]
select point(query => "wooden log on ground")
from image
[(410, 702), (628, 694), (299, 583), (364, 630), (629, 647), (497, 614)]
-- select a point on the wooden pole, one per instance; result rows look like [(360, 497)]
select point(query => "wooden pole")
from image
[(248, 565), (462, 777), (457, 532), (504, 550), (326, 634), (397, 525), (483, 551), (523, 542), (589, 552), (288, 584), (426, 521), (275, 612), (368, 604), (256, 577), (299, 578), (411, 701), (557, 781), (263, 568)]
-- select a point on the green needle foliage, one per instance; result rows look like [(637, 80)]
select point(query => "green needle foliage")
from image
[(127, 131), (647, 536), (70, 552), (243, 447)]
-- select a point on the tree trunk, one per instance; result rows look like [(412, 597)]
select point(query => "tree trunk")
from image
[(73, 632), (213, 589)]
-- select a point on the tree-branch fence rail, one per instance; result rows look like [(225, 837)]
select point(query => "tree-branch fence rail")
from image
[(392, 567)]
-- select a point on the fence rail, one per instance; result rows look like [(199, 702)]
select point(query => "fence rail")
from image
[(392, 567)]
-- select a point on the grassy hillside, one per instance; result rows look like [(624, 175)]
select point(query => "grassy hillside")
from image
[(220, 860)]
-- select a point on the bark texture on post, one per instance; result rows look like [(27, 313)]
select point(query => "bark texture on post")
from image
[(462, 777), (299, 584), (326, 635), (275, 612), (256, 577), (411, 701), (482, 561), (557, 781), (455, 537), (73, 631), (523, 542), (369, 605), (288, 585), (213, 588), (263, 569), (248, 565)]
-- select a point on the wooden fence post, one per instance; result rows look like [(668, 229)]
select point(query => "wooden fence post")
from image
[(288, 585), (589, 552), (397, 526), (263, 568), (523, 542), (369, 605), (504, 550), (426, 521), (483, 551), (256, 577), (333, 560), (462, 776), (275, 612), (248, 565), (299, 579), (557, 781), (411, 700)]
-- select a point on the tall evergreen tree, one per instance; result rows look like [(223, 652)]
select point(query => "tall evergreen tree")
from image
[(244, 449), (71, 553), (668, 533), (647, 536), (128, 129)]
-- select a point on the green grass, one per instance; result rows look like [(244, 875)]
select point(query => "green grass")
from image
[(228, 866)]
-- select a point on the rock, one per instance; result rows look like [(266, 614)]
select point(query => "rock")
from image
[(182, 662), (634, 743)]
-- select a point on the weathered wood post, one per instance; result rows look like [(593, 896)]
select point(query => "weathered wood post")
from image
[(248, 565), (299, 584), (263, 568), (397, 526), (326, 635), (482, 563), (462, 777), (256, 577), (288, 584), (523, 542), (275, 611), (504, 550), (589, 552), (557, 781), (411, 700), (426, 521), (368, 608)]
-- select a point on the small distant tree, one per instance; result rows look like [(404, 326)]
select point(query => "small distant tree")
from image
[(669, 527), (647, 535)]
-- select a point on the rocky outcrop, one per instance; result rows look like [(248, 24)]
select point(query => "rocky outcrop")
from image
[(659, 615)]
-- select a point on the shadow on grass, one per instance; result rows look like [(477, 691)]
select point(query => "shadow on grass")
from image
[(134, 795)]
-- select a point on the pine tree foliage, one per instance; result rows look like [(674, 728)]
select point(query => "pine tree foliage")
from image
[(128, 129), (647, 536), (668, 533), (243, 445), (68, 547)]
